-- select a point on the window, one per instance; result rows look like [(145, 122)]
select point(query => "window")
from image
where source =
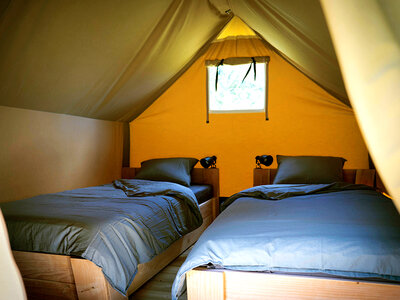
[(241, 85)]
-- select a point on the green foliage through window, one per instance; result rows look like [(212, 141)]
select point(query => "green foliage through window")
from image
[(233, 94)]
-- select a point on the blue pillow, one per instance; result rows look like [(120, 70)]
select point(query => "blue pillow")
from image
[(176, 169), (309, 169)]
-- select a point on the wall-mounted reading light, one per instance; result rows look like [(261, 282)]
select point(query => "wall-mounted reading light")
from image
[(265, 160), (208, 162)]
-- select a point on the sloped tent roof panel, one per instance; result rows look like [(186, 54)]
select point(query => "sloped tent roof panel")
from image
[(111, 60), (98, 59)]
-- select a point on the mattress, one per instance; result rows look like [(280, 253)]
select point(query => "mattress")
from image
[(203, 192), (341, 230)]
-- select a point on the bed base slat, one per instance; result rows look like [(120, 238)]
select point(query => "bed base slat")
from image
[(44, 266), (49, 290), (227, 284)]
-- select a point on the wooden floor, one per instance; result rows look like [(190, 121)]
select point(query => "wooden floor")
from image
[(159, 287)]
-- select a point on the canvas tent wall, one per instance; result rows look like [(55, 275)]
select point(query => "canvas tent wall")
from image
[(98, 59), (368, 44), (42, 152), (108, 60)]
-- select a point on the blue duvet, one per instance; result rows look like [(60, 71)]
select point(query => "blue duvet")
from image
[(335, 229)]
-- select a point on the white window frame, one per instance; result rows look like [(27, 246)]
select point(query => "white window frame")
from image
[(238, 61)]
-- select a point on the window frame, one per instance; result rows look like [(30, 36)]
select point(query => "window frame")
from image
[(238, 61)]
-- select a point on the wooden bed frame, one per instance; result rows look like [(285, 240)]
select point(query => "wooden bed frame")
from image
[(219, 284), (49, 276)]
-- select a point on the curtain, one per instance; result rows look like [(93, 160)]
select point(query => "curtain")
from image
[(366, 35)]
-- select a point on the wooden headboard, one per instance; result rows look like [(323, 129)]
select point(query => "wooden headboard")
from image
[(198, 176), (358, 176)]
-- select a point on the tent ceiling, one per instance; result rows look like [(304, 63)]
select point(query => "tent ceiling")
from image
[(111, 59)]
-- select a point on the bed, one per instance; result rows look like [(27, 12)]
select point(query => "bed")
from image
[(54, 276), (218, 265)]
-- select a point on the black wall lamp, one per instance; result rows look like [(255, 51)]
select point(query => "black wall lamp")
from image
[(209, 161), (265, 160)]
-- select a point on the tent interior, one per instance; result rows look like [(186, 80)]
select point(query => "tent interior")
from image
[(88, 87)]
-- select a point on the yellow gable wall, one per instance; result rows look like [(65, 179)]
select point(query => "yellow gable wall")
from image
[(304, 120)]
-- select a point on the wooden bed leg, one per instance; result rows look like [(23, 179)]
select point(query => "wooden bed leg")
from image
[(91, 283), (113, 294), (205, 285)]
